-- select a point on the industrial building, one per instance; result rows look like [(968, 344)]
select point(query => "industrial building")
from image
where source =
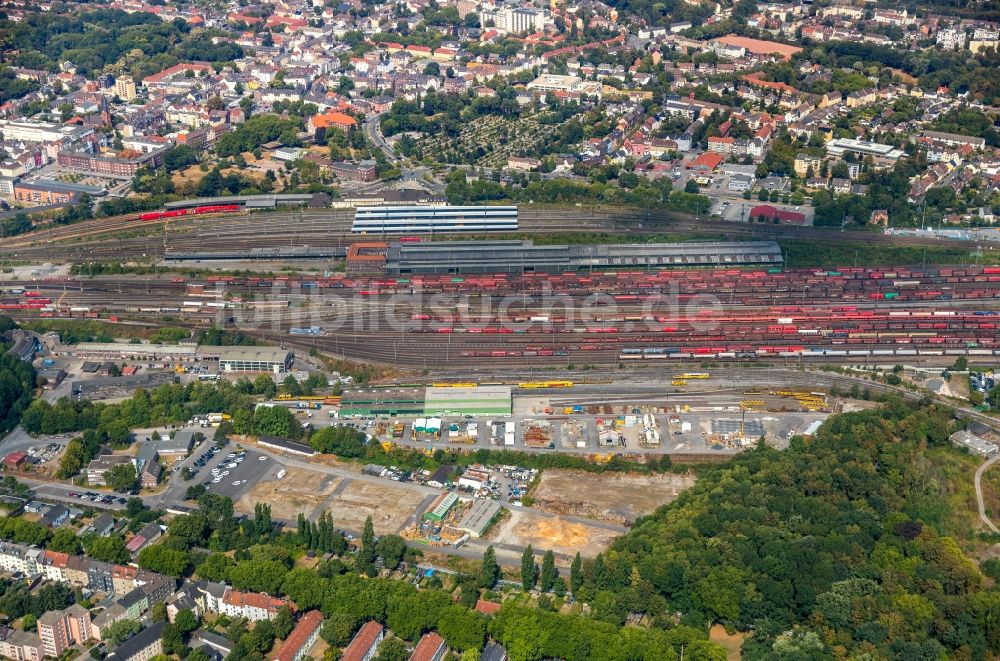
[(382, 403), (973, 443), (286, 445), (526, 257), (250, 359), (440, 507), (129, 351), (478, 400), (431, 219), (479, 517)]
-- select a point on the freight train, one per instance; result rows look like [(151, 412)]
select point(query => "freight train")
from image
[(192, 211)]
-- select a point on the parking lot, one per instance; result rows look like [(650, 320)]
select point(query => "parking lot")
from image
[(237, 471)]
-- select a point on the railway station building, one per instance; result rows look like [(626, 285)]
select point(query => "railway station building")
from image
[(478, 400), (420, 219)]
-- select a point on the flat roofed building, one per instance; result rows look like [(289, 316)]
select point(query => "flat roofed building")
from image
[(126, 350), (250, 359), (383, 402), (430, 219), (21, 646), (841, 146), (973, 443), (479, 517), (286, 445), (102, 464), (479, 400)]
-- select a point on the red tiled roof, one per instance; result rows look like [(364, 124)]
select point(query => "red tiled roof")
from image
[(254, 600), (333, 119), (759, 46), (56, 559), (362, 642), (427, 647), (300, 636), (487, 607), (709, 160), (770, 212), (135, 543)]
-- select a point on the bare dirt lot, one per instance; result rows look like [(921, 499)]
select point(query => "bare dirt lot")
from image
[(299, 491), (563, 537), (613, 497), (387, 503)]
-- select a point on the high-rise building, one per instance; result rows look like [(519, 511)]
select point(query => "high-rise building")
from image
[(125, 88), (59, 630)]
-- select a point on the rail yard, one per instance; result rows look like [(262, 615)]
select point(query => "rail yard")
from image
[(559, 319)]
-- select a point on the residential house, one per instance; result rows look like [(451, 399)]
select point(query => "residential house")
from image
[(149, 534), (302, 638), (430, 648), (365, 643), (100, 576), (113, 613), (143, 646), (250, 605)]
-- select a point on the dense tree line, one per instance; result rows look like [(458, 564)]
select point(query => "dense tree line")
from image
[(257, 131), (833, 544), (12, 87), (97, 38), (17, 386)]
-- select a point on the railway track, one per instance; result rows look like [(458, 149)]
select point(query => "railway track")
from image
[(107, 238), (407, 329)]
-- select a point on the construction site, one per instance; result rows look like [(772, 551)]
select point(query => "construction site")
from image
[(618, 498)]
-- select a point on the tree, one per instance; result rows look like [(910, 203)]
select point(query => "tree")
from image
[(64, 540), (121, 478), (576, 574), (392, 649), (339, 628), (549, 572), (216, 568), (462, 628), (529, 571), (158, 558), (691, 186), (264, 385), (185, 621), (106, 549), (489, 571), (275, 421), (368, 540), (258, 575), (391, 549), (283, 622), (173, 642), (121, 631), (133, 506)]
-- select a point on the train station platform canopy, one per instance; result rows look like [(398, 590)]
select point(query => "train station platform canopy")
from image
[(246, 201)]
